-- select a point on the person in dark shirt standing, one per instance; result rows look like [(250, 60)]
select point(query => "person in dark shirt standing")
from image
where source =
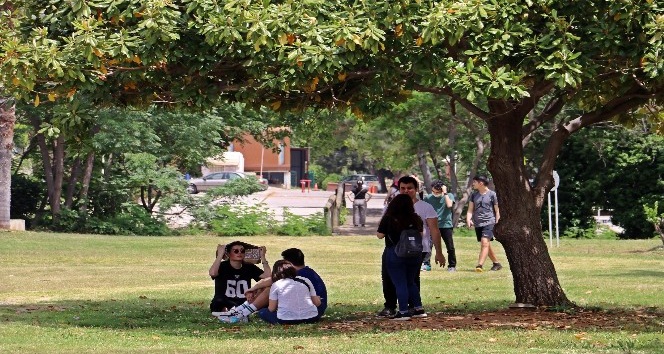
[(361, 197)]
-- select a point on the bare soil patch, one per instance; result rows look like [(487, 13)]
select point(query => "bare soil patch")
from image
[(576, 320)]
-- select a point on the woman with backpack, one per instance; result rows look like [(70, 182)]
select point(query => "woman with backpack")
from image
[(402, 270)]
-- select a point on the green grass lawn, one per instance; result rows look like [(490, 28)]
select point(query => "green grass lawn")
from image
[(104, 294)]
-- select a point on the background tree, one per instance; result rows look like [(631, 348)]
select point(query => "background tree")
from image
[(631, 162), (655, 218)]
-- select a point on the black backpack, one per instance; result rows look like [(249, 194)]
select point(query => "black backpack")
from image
[(410, 243)]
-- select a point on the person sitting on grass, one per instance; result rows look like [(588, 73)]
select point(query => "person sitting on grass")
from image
[(292, 297), (258, 295), (232, 278)]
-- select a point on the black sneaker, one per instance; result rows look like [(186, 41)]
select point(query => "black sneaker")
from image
[(387, 312), (496, 266), (400, 316), (418, 313)]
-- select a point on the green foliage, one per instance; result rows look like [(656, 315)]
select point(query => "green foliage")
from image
[(652, 214), (236, 188), (133, 220), (241, 220), (26, 194), (331, 177), (319, 175), (575, 231), (593, 232), (295, 225), (631, 162), (153, 181), (343, 213), (656, 219)]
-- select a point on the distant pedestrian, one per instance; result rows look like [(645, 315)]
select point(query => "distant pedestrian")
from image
[(392, 192), (359, 196), (483, 214), (442, 201)]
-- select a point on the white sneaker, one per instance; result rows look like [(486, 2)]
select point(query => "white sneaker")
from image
[(233, 319), (228, 313)]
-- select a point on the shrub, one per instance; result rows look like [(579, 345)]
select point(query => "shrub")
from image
[(241, 220), (296, 225), (332, 177), (254, 220), (133, 220), (319, 175)]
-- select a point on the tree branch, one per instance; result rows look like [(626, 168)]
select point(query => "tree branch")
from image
[(469, 106), (553, 107), (633, 98)]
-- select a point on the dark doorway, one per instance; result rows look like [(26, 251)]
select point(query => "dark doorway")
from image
[(298, 166)]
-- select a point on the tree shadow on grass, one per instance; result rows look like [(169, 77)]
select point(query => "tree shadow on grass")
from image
[(193, 319)]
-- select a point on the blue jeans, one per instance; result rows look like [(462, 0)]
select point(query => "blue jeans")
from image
[(271, 317), (403, 273)]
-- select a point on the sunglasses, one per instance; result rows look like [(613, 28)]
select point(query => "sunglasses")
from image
[(238, 250)]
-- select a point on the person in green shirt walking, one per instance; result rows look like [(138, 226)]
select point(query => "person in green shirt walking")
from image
[(443, 201)]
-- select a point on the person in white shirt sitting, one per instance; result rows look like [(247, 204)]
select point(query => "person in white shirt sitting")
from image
[(292, 297)]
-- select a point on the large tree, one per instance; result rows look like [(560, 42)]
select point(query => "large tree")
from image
[(498, 59)]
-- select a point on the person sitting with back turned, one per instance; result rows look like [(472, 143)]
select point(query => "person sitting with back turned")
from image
[(296, 257), (292, 297), (232, 278)]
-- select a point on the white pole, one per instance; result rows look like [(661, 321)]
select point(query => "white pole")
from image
[(557, 231), (550, 224)]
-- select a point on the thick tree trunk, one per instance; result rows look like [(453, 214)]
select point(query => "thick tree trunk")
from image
[(46, 157), (7, 123), (58, 175), (519, 229)]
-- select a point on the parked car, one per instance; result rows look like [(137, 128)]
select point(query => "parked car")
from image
[(368, 180), (217, 179)]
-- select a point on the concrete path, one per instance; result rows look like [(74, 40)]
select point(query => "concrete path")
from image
[(277, 200), (310, 202)]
